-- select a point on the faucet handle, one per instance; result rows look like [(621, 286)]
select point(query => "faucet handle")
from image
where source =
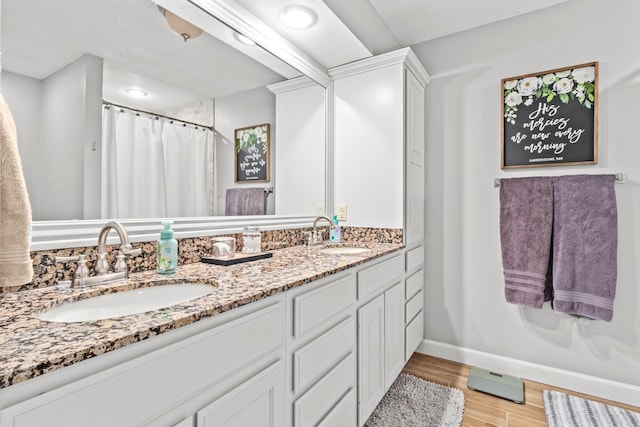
[(102, 265), (127, 249), (120, 264), (132, 252), (82, 272)]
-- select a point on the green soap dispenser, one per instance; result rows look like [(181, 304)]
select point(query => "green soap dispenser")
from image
[(335, 230), (167, 251)]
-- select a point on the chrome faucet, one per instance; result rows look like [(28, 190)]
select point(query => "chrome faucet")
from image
[(102, 266), (316, 235), (81, 276)]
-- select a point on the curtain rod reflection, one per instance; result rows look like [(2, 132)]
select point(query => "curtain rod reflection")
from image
[(108, 104)]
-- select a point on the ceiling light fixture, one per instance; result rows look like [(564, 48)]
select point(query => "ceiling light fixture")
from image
[(298, 17), (184, 29), (243, 39), (136, 93)]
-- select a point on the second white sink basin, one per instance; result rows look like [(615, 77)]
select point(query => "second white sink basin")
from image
[(343, 250), (125, 303)]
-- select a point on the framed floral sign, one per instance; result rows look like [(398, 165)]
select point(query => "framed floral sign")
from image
[(252, 153), (550, 118)]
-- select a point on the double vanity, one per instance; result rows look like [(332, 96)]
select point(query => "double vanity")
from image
[(311, 336)]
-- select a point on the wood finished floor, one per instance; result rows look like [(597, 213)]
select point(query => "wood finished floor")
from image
[(484, 410)]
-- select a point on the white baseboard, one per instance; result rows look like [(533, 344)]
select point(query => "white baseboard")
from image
[(595, 386)]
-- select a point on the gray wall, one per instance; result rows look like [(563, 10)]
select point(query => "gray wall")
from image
[(58, 120), (252, 107), (465, 305)]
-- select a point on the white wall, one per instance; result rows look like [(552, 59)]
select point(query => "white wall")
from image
[(465, 305), (236, 111), (22, 95), (58, 119), (92, 136), (67, 133), (300, 158)]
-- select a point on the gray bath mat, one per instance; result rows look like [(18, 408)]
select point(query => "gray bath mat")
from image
[(414, 402), (563, 410)]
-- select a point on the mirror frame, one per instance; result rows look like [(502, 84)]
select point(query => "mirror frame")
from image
[(47, 235)]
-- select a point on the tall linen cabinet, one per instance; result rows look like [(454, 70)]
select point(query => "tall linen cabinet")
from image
[(378, 158)]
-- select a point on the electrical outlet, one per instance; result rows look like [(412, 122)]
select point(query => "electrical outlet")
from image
[(342, 212), (320, 209)]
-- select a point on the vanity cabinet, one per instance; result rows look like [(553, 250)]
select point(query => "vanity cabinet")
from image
[(321, 354), (232, 356)]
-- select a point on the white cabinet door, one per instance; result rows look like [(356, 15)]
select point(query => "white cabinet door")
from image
[(258, 402), (371, 378), (414, 122), (393, 333)]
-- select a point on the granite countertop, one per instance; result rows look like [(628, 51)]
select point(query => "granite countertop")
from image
[(30, 347)]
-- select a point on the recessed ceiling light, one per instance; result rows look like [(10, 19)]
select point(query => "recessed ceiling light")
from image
[(136, 93), (298, 17), (244, 39)]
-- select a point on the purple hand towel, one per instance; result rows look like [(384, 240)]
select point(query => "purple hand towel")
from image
[(585, 246), (526, 221), (245, 201)]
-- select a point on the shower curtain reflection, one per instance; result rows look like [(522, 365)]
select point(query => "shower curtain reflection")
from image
[(153, 167)]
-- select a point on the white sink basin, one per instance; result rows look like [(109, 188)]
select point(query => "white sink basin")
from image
[(343, 250), (127, 302)]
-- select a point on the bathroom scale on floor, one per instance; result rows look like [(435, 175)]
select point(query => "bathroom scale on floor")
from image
[(495, 384)]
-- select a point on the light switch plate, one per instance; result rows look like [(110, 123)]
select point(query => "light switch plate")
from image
[(320, 209), (342, 212)]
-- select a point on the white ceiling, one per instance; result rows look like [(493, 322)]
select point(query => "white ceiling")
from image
[(415, 21), (39, 37), (345, 27)]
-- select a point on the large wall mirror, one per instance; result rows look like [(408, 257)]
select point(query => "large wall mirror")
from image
[(91, 150)]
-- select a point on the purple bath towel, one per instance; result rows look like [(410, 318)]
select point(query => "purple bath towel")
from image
[(526, 219), (245, 201), (585, 246)]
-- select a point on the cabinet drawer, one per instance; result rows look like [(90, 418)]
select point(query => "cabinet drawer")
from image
[(414, 283), (317, 307), (316, 403), (371, 280), (414, 333), (415, 258), (344, 414), (315, 359), (413, 307)]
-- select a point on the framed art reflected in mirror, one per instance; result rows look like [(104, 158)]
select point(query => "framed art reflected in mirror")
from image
[(252, 153)]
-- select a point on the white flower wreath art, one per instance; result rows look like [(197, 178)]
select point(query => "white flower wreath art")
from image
[(251, 135), (568, 84)]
